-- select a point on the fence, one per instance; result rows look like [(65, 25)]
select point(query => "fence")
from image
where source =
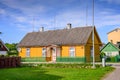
[(113, 59), (8, 62), (58, 59), (33, 59), (71, 59)]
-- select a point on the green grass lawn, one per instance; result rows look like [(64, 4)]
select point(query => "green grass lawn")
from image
[(38, 73)]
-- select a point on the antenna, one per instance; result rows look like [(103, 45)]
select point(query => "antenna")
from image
[(54, 22), (33, 23), (86, 13), (93, 36)]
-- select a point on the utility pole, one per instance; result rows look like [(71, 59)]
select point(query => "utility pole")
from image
[(93, 37)]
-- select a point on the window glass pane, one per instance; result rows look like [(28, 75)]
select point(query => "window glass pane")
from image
[(43, 52), (72, 52), (28, 52)]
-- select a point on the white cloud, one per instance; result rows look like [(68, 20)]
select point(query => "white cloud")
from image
[(107, 19), (21, 19), (27, 6), (112, 1), (76, 17), (24, 28), (2, 11)]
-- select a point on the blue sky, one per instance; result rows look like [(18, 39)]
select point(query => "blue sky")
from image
[(17, 17)]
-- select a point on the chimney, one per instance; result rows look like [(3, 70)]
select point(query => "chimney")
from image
[(69, 26), (41, 29), (118, 43)]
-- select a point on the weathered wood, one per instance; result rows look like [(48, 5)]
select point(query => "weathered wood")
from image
[(9, 62)]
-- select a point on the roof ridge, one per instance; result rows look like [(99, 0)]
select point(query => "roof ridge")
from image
[(63, 29), (114, 30)]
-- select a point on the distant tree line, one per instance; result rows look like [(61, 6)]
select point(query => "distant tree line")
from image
[(12, 49)]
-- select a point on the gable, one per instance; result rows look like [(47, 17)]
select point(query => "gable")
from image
[(109, 47), (2, 46), (96, 38)]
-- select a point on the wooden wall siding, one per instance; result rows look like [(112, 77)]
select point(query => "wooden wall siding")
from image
[(79, 50), (65, 51), (22, 52), (95, 39), (97, 48), (88, 54), (97, 53), (36, 52)]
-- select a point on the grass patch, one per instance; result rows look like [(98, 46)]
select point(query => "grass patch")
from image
[(53, 73)]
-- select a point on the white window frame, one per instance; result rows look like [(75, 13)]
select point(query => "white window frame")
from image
[(27, 52), (72, 51), (19, 49), (44, 51)]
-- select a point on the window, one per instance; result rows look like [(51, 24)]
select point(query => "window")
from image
[(72, 52), (91, 51), (118, 43), (28, 52), (108, 54), (43, 52), (0, 46), (111, 41), (19, 49)]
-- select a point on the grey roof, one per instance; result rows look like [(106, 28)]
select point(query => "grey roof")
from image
[(114, 30), (74, 36)]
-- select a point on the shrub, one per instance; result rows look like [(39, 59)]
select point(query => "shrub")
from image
[(60, 65)]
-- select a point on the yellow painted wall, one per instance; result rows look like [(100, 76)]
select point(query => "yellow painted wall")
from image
[(34, 52), (65, 51), (79, 51), (22, 52), (114, 36), (37, 51)]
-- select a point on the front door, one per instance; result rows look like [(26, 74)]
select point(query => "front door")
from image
[(54, 54), (51, 54)]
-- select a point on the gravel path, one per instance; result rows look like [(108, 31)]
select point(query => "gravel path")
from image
[(115, 75)]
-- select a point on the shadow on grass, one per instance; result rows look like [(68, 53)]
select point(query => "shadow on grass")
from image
[(43, 75), (27, 74)]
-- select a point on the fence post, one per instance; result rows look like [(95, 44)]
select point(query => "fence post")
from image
[(103, 62)]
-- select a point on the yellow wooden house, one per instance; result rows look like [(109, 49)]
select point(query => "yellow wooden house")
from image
[(65, 45)]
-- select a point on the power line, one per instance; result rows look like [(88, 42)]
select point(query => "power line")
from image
[(86, 13)]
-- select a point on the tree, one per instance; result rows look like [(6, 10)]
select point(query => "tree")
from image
[(12, 48)]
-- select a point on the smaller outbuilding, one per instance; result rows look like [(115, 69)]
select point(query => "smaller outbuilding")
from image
[(3, 48), (110, 49)]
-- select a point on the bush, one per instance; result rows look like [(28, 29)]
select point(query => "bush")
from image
[(60, 65), (111, 59)]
